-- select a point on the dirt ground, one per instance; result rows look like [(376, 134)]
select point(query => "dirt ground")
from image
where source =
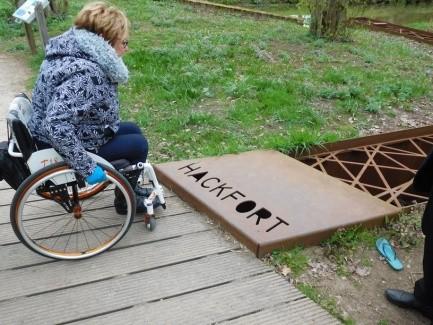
[(419, 115), (359, 296), (14, 74)]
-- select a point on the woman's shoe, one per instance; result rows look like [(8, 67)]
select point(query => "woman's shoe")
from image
[(120, 203)]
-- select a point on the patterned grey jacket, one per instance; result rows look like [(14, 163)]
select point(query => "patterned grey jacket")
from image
[(75, 98)]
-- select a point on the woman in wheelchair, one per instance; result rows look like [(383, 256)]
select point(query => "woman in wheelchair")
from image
[(75, 101), (64, 209)]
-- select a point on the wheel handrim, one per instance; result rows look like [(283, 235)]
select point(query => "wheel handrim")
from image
[(59, 234)]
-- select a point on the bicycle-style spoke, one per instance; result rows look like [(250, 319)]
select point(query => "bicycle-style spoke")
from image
[(45, 208), (91, 231), (70, 234), (46, 227), (103, 196), (63, 231), (85, 237)]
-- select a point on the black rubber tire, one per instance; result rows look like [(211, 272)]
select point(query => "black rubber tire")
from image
[(31, 183)]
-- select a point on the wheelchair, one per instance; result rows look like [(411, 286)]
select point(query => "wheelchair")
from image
[(55, 213)]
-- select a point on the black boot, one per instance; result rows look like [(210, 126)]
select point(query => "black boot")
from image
[(408, 300)]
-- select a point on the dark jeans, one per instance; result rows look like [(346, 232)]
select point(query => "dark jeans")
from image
[(423, 183), (424, 286), (128, 143)]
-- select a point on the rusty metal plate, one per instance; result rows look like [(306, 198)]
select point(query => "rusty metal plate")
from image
[(268, 200)]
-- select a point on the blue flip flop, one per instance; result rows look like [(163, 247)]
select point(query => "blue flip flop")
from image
[(386, 250)]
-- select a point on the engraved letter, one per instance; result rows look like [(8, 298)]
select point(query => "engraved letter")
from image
[(245, 206), (190, 169), (261, 213), (279, 223), (206, 180), (233, 195), (221, 188), (198, 176)]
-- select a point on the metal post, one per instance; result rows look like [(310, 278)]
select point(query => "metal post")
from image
[(40, 17), (29, 31)]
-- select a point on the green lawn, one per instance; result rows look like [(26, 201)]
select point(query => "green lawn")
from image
[(208, 83)]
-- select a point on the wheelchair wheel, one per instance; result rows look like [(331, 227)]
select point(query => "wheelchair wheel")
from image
[(66, 225)]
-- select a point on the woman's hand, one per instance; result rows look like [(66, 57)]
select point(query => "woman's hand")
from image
[(98, 175)]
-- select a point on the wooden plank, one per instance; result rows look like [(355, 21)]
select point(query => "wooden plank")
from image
[(153, 285), (8, 237), (210, 306), (54, 276), (3, 184), (6, 196), (19, 256), (174, 206), (42, 23), (242, 10), (301, 311), (30, 38)]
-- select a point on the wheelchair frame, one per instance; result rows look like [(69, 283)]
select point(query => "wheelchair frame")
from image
[(42, 161)]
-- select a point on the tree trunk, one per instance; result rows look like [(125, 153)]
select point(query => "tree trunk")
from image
[(328, 18)]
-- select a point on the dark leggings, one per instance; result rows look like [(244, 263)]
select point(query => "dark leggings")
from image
[(128, 143)]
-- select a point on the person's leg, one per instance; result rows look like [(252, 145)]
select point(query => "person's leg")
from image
[(133, 147), (421, 298), (423, 290), (128, 128), (428, 268), (424, 287)]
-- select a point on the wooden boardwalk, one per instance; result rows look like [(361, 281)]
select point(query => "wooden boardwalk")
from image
[(185, 272)]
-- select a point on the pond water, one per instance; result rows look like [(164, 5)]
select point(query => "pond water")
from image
[(402, 15)]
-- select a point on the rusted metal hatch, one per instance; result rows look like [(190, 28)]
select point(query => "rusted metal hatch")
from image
[(269, 200), (382, 165)]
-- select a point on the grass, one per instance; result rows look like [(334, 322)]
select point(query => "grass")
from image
[(326, 302), (198, 87), (293, 258), (404, 232), (383, 322), (345, 243)]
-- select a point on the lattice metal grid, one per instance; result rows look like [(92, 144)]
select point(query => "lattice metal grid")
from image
[(385, 170)]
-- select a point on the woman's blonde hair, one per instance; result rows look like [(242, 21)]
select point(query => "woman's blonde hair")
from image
[(103, 19)]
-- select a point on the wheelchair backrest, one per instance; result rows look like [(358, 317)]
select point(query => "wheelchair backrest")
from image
[(19, 113)]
